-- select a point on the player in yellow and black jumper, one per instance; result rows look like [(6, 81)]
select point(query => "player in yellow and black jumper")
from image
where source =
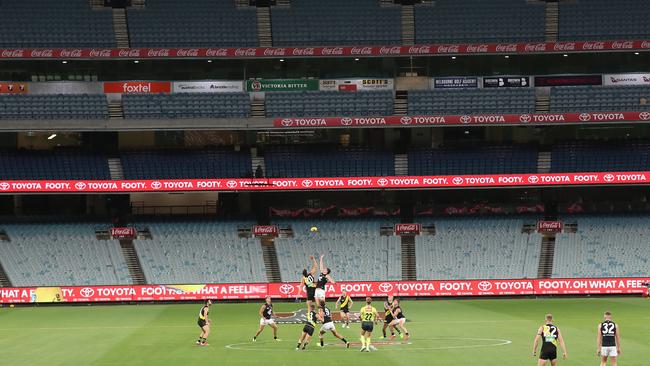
[(368, 316), (388, 317), (204, 324), (550, 336), (308, 329), (344, 303), (309, 281)]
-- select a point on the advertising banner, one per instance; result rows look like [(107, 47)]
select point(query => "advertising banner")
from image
[(463, 82), (208, 86), (506, 82), (476, 119), (363, 84), (422, 288), (408, 229), (568, 80), (549, 226), (316, 184), (137, 87), (265, 230), (267, 85), (8, 87), (333, 51), (123, 232), (626, 79)]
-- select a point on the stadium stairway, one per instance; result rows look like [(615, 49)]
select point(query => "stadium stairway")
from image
[(121, 28), (401, 103), (264, 33), (401, 164), (409, 272), (551, 30), (115, 109), (270, 260), (132, 262), (115, 168), (4, 279), (408, 25), (544, 162), (547, 252), (258, 109)]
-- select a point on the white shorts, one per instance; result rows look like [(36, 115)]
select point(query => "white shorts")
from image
[(328, 326), (608, 352), (264, 321), (319, 294), (399, 321)]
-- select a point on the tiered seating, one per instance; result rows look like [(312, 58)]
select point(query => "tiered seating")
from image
[(353, 250), (336, 22), (199, 23), (45, 23), (61, 254), (475, 248), (200, 252), (329, 104), (186, 105), (295, 161), (179, 164), (476, 160), (600, 98), (584, 20), (51, 106), (598, 157), (472, 101), (607, 246), (54, 164), (479, 21)]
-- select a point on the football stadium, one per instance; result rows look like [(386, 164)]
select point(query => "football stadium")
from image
[(353, 182)]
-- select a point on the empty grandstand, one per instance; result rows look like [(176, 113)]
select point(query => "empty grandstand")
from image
[(53, 106), (328, 104), (200, 252), (467, 248), (56, 164), (604, 246), (353, 249), (585, 20), (582, 156), (61, 254), (475, 160), (453, 102), (186, 105), (600, 98)]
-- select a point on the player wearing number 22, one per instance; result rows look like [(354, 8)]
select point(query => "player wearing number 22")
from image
[(368, 316), (550, 336), (609, 340)]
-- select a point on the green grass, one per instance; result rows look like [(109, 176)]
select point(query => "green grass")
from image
[(164, 335)]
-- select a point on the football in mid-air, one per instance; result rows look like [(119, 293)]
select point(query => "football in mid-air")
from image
[(314, 229)]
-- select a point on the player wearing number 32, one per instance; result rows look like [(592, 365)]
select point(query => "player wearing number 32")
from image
[(609, 340), (550, 336)]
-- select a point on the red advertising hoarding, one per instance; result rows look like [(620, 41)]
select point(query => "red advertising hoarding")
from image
[(408, 229), (316, 184), (549, 226), (463, 120), (424, 288), (123, 232), (137, 87), (329, 51), (266, 230)]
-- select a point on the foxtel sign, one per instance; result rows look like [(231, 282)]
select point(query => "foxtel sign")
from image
[(244, 291), (315, 184), (463, 120)]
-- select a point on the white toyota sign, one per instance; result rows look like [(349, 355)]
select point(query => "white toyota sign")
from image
[(208, 86)]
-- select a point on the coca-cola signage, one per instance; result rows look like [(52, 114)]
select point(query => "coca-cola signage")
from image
[(123, 233), (544, 226), (265, 230), (408, 229)]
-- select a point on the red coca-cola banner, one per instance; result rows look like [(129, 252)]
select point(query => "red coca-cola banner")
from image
[(408, 229), (424, 288), (315, 184), (123, 232), (333, 51), (266, 230), (477, 119), (549, 226)]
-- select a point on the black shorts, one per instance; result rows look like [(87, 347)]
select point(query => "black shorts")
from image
[(388, 319), (309, 329), (311, 292), (201, 323), (548, 354), (345, 310), (367, 326)]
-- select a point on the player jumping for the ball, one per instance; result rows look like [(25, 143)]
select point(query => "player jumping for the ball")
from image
[(323, 278)]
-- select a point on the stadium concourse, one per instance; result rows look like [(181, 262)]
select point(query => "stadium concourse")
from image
[(428, 182)]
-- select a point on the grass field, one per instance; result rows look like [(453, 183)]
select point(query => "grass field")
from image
[(457, 332)]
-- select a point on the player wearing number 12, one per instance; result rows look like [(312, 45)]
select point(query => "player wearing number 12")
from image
[(368, 316), (609, 340)]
